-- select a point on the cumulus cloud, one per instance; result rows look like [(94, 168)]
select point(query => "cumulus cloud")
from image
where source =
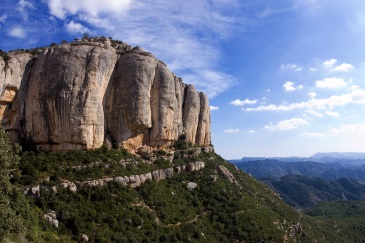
[(333, 113), (239, 102), (232, 130), (331, 83), (329, 63), (251, 131), (289, 86), (17, 32), (213, 108), (356, 96), (291, 66), (288, 124), (76, 28), (344, 67), (312, 134)]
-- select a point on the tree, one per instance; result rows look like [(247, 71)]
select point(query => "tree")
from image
[(9, 220)]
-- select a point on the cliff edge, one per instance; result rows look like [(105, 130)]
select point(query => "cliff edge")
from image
[(77, 95)]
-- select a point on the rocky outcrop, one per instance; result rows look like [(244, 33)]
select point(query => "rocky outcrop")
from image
[(77, 95), (132, 180), (227, 174)]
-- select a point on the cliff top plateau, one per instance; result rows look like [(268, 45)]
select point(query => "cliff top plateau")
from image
[(82, 94)]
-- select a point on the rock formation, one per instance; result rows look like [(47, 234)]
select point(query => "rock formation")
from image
[(78, 95)]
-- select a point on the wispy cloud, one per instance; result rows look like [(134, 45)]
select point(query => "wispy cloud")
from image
[(232, 130), (312, 134), (331, 83), (288, 124), (291, 66), (3, 18), (348, 129), (356, 96), (23, 7), (239, 102), (185, 40), (251, 131)]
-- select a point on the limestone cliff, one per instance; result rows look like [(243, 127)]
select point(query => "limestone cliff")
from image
[(77, 95)]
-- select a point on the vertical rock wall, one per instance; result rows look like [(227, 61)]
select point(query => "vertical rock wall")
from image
[(75, 96)]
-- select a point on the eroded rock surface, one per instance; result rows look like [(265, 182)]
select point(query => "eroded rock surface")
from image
[(78, 95)]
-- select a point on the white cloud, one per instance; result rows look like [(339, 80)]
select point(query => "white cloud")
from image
[(288, 124), (314, 113), (76, 28), (239, 102), (312, 69), (291, 66), (3, 18), (24, 7), (17, 32), (251, 131), (329, 63), (331, 83), (344, 67), (356, 96), (213, 108), (312, 134), (232, 130), (312, 94), (333, 113), (289, 86), (348, 129), (62, 8)]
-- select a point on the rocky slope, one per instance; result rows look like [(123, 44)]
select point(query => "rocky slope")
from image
[(77, 95)]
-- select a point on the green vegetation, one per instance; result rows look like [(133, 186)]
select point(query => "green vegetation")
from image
[(346, 218), (157, 211)]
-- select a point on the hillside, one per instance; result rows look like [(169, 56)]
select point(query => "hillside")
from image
[(304, 192), (212, 202)]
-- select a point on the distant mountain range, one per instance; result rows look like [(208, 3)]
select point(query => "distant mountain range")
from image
[(276, 169), (305, 182), (333, 157)]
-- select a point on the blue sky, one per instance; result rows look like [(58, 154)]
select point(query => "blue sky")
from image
[(284, 77)]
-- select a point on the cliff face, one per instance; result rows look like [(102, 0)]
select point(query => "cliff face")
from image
[(74, 96)]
